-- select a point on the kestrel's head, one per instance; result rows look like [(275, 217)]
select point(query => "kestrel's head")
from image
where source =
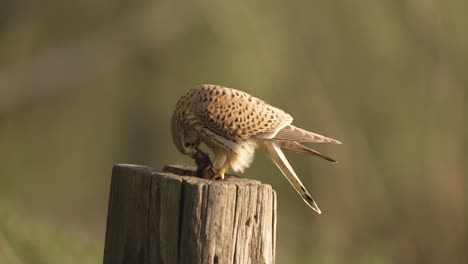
[(185, 139)]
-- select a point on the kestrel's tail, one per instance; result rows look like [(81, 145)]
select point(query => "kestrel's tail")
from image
[(301, 149), (276, 154), (293, 133)]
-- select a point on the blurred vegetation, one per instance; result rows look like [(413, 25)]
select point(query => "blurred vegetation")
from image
[(23, 240), (87, 84)]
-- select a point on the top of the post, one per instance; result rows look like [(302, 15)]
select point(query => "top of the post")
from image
[(184, 173)]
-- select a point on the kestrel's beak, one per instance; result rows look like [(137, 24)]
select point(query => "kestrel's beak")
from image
[(191, 151)]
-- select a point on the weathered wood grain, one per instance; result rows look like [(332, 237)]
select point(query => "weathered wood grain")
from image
[(171, 217)]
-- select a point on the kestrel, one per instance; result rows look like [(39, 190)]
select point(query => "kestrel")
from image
[(233, 124)]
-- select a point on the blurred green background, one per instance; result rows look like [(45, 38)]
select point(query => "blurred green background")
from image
[(87, 84)]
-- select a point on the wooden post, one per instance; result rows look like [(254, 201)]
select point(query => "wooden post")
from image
[(171, 217)]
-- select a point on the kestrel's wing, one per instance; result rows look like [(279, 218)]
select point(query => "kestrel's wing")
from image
[(273, 151), (238, 115)]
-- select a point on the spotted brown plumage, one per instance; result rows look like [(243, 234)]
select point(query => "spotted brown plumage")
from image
[(234, 113), (233, 124)]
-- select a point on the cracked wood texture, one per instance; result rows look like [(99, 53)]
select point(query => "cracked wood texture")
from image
[(169, 216)]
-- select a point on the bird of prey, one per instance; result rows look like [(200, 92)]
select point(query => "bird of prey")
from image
[(233, 124)]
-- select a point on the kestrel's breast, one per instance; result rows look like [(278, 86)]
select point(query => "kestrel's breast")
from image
[(240, 152)]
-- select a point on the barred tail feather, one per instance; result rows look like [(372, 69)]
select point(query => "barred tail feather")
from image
[(276, 154)]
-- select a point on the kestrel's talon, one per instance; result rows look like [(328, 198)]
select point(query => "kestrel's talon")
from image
[(233, 124), (218, 174)]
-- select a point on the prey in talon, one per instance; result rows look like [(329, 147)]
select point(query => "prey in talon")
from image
[(204, 166), (233, 124)]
